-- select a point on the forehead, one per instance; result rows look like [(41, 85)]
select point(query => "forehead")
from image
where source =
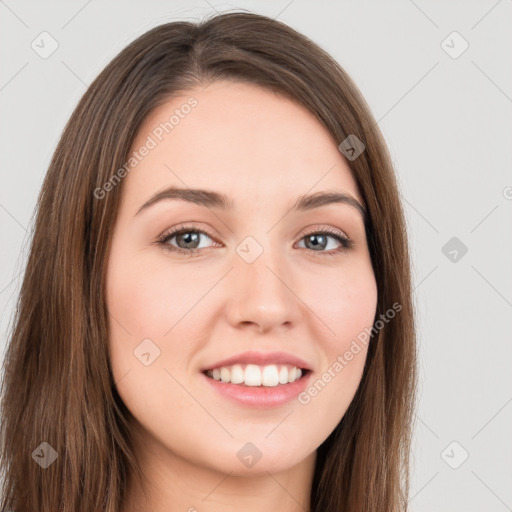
[(241, 139)]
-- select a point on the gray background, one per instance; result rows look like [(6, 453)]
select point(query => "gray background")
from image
[(447, 122)]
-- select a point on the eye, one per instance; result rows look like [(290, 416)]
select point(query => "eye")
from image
[(318, 240), (187, 244)]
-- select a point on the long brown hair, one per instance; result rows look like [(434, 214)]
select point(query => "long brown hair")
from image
[(58, 386)]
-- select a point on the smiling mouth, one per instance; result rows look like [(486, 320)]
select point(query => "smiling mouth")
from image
[(251, 375)]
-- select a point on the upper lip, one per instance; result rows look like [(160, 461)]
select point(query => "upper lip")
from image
[(261, 358)]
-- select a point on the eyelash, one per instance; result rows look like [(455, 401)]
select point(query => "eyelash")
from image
[(346, 243)]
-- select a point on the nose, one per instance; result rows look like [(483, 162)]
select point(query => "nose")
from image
[(262, 294)]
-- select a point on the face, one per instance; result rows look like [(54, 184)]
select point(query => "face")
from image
[(257, 275)]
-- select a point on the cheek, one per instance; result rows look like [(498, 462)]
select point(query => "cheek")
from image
[(148, 298), (143, 307), (346, 304), (345, 301)]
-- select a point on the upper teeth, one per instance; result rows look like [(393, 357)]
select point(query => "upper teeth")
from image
[(254, 375)]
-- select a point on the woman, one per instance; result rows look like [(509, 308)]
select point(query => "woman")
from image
[(274, 366)]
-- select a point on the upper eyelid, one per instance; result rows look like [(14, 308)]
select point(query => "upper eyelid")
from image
[(177, 230), (315, 229), (329, 230)]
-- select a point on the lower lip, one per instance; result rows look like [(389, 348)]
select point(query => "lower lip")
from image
[(262, 397)]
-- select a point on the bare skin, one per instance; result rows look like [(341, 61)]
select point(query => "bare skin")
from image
[(263, 151)]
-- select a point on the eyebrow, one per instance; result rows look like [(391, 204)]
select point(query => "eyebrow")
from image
[(212, 199)]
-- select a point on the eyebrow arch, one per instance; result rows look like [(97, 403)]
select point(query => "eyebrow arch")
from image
[(212, 199)]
